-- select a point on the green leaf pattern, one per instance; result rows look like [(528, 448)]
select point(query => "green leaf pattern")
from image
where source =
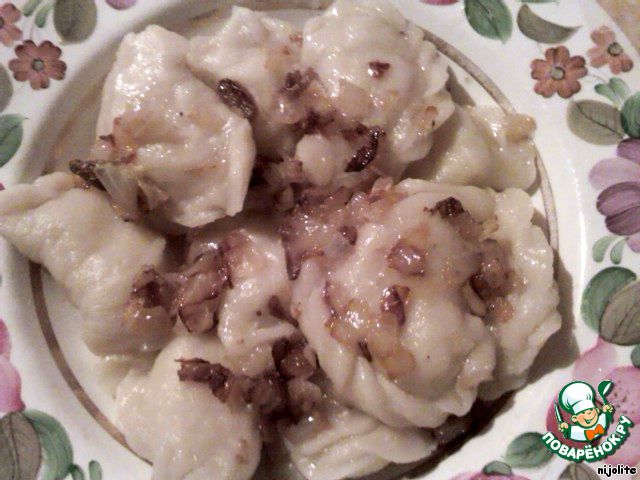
[(10, 136), (490, 18), (56, 446), (630, 116), (599, 290), (596, 122), (527, 451), (75, 20), (35, 446), (600, 247), (19, 448), (541, 30), (620, 323), (578, 471)]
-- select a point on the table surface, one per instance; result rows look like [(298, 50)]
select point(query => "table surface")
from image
[(626, 13)]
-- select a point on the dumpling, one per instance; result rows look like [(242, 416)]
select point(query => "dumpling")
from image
[(185, 430), (338, 442), (384, 307), (481, 146), (534, 301), (415, 297), (254, 314), (169, 145), (527, 316), (257, 52), (377, 69), (91, 252)]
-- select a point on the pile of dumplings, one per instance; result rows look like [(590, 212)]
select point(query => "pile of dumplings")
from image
[(329, 259)]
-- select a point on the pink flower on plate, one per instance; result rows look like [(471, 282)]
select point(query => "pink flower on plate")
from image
[(608, 51), (37, 64), (559, 73), (619, 201), (9, 15), (10, 385), (599, 364)]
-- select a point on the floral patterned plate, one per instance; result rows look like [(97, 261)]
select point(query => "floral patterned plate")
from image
[(564, 62)]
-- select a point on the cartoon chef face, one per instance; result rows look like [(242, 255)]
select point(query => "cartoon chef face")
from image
[(587, 418), (577, 398)]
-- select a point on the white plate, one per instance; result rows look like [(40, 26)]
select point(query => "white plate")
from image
[(41, 129)]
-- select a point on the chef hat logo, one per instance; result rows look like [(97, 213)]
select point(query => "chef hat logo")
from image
[(577, 397)]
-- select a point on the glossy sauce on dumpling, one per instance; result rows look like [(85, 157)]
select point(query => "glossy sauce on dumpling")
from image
[(424, 354), (481, 146), (181, 427), (254, 314), (377, 69), (340, 442), (91, 252), (172, 137), (257, 51)]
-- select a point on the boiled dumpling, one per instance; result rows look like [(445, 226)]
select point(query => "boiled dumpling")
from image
[(257, 52), (534, 300), (91, 252), (254, 314), (528, 316), (384, 309), (169, 145), (377, 69), (417, 296), (185, 430), (481, 146), (338, 442)]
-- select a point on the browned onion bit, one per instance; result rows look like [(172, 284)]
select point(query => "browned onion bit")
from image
[(297, 82), (314, 122), (232, 247), (85, 169), (317, 222), (493, 282), (214, 375), (277, 310), (407, 258), (367, 153), (449, 207), (285, 393), (452, 211), (235, 96), (199, 317), (152, 289), (269, 394), (294, 359), (108, 139), (350, 233), (149, 301), (192, 293), (493, 278), (393, 301), (499, 310), (377, 69), (199, 285), (354, 133)]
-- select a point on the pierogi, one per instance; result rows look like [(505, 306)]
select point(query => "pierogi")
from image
[(323, 260)]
